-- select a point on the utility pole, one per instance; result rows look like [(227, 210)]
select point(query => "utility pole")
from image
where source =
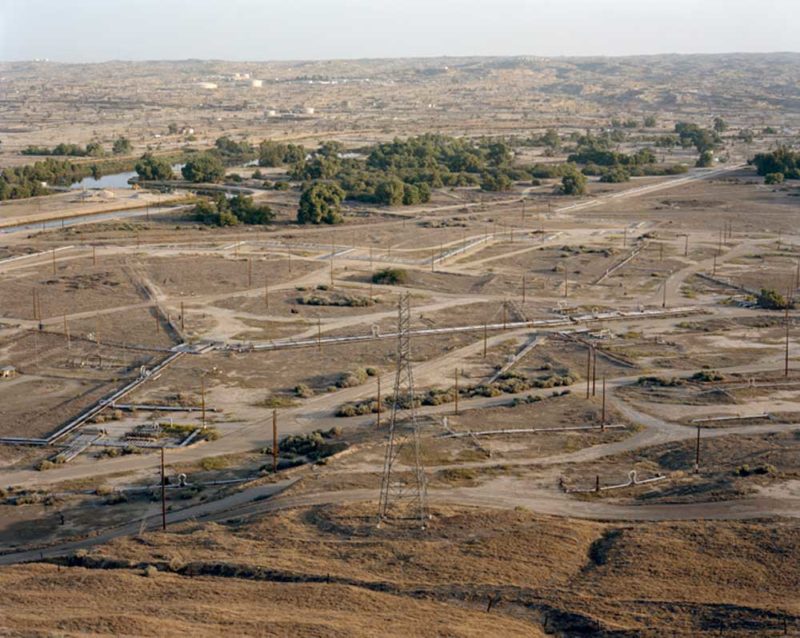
[(484, 339), (797, 275), (566, 281), (686, 246), (523, 211), (274, 440), (786, 355), (697, 453), (183, 314), (588, 369), (455, 376), (266, 293), (664, 300), (603, 413), (378, 420), (625, 237), (203, 398), (714, 269), (53, 253), (249, 272), (594, 371), (94, 255), (319, 334), (163, 494)]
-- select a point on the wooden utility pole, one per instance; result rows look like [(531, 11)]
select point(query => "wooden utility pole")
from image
[(455, 377), (594, 371), (484, 339), (697, 453), (94, 255), (274, 440), (797, 275), (163, 493), (378, 421), (183, 314), (505, 314), (566, 282), (686, 246), (319, 334), (266, 293), (249, 272), (664, 299), (53, 254), (523, 211), (588, 370), (786, 354), (290, 263), (35, 305), (714, 268), (203, 399), (603, 413), (625, 237)]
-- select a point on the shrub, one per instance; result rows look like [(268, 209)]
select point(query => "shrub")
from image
[(390, 277), (303, 391)]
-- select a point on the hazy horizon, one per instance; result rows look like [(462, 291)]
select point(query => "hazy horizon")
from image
[(260, 31)]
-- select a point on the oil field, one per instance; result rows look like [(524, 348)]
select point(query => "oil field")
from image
[(452, 347)]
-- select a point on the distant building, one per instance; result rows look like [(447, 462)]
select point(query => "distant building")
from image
[(8, 372), (256, 84), (207, 85)]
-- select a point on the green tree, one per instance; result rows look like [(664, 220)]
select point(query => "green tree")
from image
[(773, 178), (705, 159), (390, 192), (121, 146), (150, 168), (772, 300), (95, 149), (551, 139), (320, 203), (720, 125), (573, 183), (650, 121), (615, 175), (203, 167)]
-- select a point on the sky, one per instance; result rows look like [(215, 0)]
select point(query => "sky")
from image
[(257, 30)]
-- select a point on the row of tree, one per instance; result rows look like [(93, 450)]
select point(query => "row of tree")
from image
[(121, 146)]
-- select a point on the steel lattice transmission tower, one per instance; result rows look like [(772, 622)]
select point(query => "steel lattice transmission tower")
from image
[(397, 491)]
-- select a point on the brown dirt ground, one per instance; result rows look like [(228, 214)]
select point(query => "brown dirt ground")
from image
[(574, 577)]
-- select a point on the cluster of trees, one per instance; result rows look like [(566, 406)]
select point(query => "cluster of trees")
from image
[(26, 181), (321, 202), (121, 146), (403, 172), (272, 154), (151, 168), (232, 151), (240, 209), (780, 164), (203, 167), (597, 150), (92, 149)]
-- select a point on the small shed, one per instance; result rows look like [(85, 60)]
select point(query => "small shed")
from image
[(8, 372)]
